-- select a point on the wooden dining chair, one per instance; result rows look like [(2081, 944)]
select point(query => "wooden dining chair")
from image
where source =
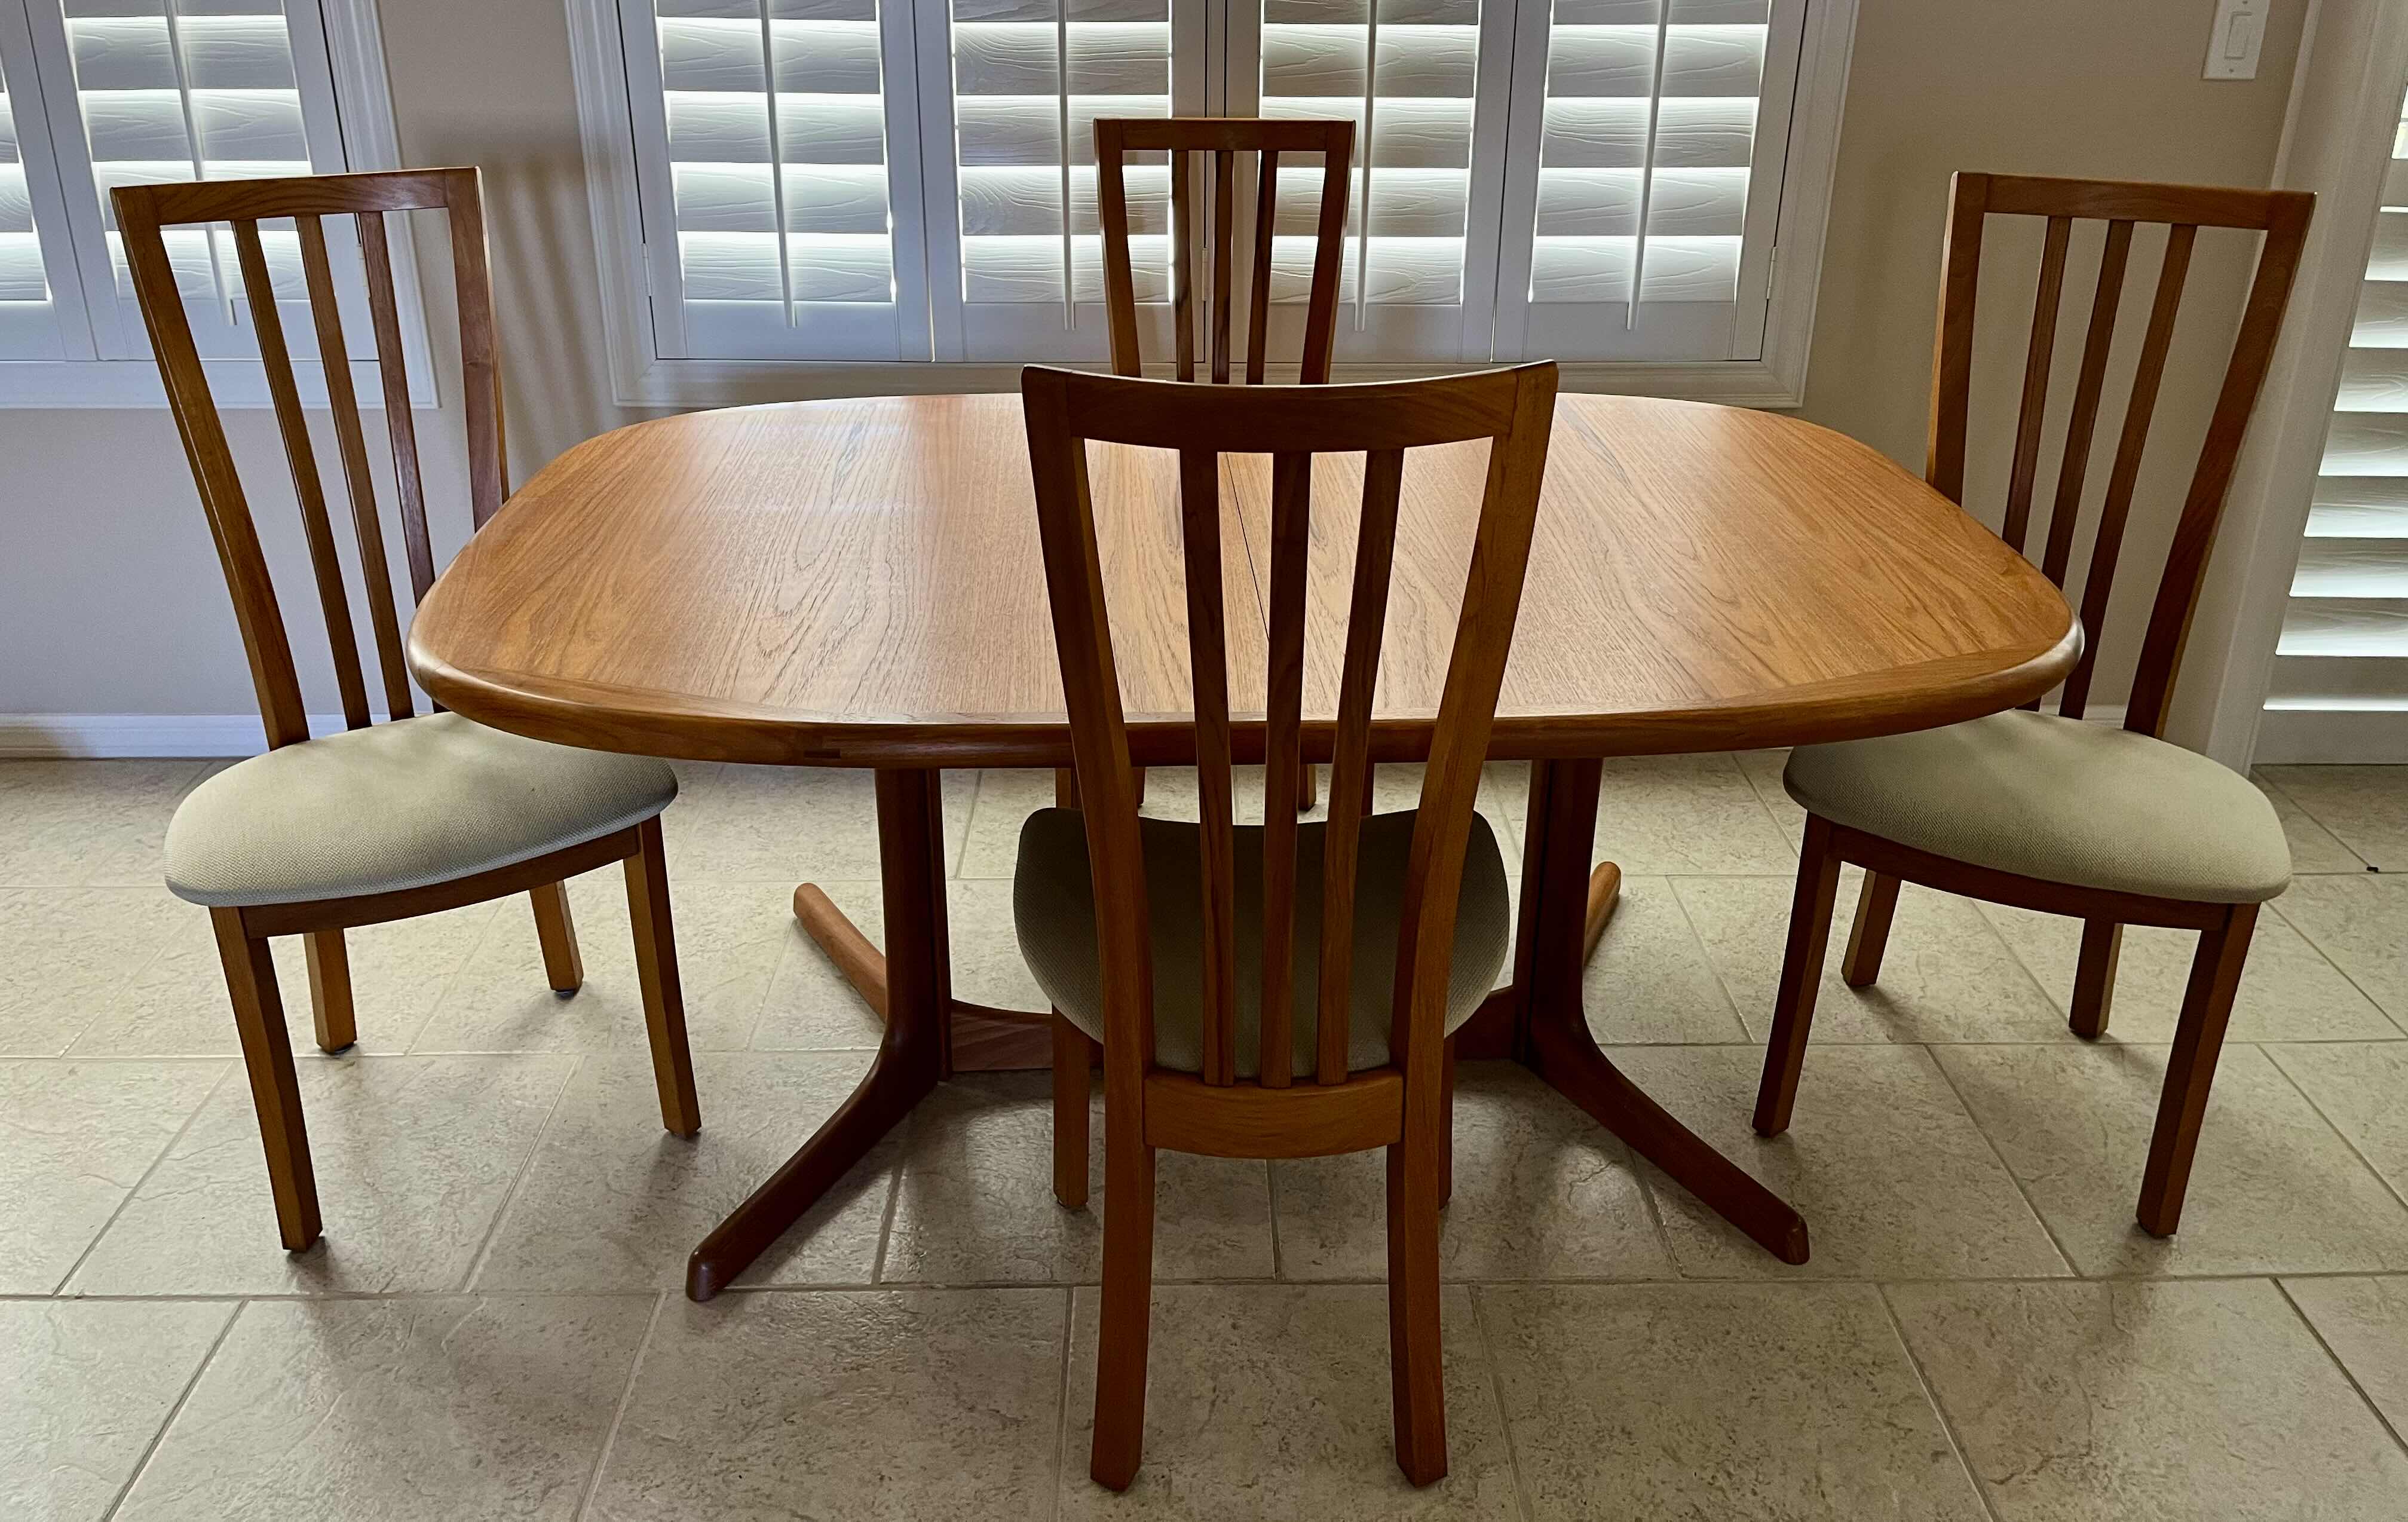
[(1282, 990), (382, 821), (2047, 812), (1225, 137)]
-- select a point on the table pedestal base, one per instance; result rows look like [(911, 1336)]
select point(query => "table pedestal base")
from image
[(1536, 1020)]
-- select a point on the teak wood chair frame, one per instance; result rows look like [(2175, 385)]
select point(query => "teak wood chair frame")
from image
[(2224, 928), (1401, 1107), (242, 933)]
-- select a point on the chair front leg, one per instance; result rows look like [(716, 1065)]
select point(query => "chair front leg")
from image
[(1801, 973), (656, 971), (275, 1087), (2094, 978), (563, 969), (330, 989), (2191, 1067), (1074, 1057)]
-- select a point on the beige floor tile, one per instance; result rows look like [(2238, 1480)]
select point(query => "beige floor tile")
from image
[(1651, 980), (2272, 1189), (1680, 1402), (810, 1007), (612, 1202), (2365, 1324), (887, 1405), (2148, 1402), (789, 824), (2288, 990), (987, 965), (2366, 808), (2360, 1088), (85, 1387), (1272, 1401), (1540, 1192), (1763, 769), (1686, 813), (1894, 1178), (1947, 976), (406, 1410), (414, 1156), (177, 1006), (80, 1136), (2314, 848), (2361, 924), (68, 955), (729, 937), (974, 1203), (67, 823), (1005, 799)]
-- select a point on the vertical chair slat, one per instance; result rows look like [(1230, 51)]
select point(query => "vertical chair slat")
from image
[(1183, 283), (2139, 413), (1258, 319), (480, 376), (1283, 759), (1120, 284), (307, 486), (1329, 247), (1225, 216), (385, 318), (1952, 366), (1350, 767), (2084, 420), (2036, 361), (376, 572), (1199, 501)]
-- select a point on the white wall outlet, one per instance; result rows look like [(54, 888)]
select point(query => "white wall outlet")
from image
[(2232, 46)]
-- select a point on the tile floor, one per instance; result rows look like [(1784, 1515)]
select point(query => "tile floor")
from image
[(491, 1327)]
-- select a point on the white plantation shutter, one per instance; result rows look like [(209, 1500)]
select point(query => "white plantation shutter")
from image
[(2345, 644), (1647, 162), (32, 294), (1015, 86), (783, 221), (143, 92), (1425, 82)]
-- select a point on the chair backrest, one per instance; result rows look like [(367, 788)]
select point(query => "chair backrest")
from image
[(142, 211), (2282, 216), (1514, 409), (1224, 138)]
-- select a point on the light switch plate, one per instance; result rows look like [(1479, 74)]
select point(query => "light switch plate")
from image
[(2232, 46)]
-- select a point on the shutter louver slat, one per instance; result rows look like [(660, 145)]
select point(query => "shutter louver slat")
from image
[(23, 284)]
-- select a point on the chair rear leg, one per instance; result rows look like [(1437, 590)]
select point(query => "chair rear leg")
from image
[(656, 971), (1416, 1361), (1128, 1301), (1074, 1059), (275, 1087), (562, 967), (2094, 978), (1308, 791), (330, 989), (1802, 972), (1870, 936), (2191, 1069)]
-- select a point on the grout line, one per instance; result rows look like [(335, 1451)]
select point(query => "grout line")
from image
[(152, 1449), (2363, 1161), (2259, 775), (2317, 1332), (1947, 1423), (1270, 1182), (518, 1179), (1496, 1392), (626, 1399), (1706, 955), (2012, 1177), (1061, 1400), (894, 1197), (59, 1290), (2398, 1020)]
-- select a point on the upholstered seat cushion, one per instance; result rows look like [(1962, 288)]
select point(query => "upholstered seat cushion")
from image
[(396, 806), (1054, 906), (2059, 799)]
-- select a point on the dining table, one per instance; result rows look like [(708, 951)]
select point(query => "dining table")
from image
[(857, 584)]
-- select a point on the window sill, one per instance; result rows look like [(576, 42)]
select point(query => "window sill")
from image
[(235, 383)]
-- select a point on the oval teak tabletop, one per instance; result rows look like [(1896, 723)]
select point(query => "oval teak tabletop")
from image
[(859, 582)]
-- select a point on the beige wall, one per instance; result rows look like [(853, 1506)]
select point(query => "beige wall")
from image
[(109, 598)]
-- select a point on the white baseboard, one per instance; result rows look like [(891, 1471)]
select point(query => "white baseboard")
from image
[(2338, 736), (132, 736)]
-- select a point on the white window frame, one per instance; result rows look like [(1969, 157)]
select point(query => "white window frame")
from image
[(1786, 273), (107, 360)]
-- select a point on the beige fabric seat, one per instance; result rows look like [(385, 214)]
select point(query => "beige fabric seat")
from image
[(398, 806), (1054, 908), (2059, 800)]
